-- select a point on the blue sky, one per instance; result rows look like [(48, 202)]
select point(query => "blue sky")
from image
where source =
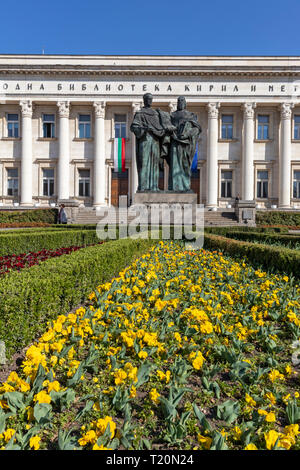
[(158, 27)]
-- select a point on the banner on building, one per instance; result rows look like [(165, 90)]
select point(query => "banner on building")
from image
[(119, 154)]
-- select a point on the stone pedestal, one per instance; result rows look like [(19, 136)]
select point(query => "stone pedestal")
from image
[(164, 197), (245, 212), (166, 207)]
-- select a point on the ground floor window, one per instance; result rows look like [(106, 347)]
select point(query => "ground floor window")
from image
[(262, 187), (84, 183), (296, 184), (226, 183), (12, 182), (48, 181)]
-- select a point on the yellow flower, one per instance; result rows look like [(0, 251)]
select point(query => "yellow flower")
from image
[(96, 447), (30, 416), (154, 395), (251, 446), (102, 424), (270, 417), (54, 386), (88, 437), (269, 396), (288, 370), (120, 376), (198, 360), (42, 397), (275, 375), (205, 441), (249, 400), (271, 438), (34, 442), (143, 354), (8, 434), (237, 433)]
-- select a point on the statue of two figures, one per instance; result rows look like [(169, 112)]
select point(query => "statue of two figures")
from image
[(160, 135)]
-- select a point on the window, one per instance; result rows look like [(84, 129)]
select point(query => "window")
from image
[(84, 183), (262, 184), (263, 127), (120, 125), (226, 183), (48, 126), (12, 125), (227, 126), (12, 182), (297, 127), (84, 126), (48, 181), (296, 184)]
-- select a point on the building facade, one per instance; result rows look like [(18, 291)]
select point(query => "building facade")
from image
[(59, 116)]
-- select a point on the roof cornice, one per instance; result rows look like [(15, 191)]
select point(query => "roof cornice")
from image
[(193, 66)]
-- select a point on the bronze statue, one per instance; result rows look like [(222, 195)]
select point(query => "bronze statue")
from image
[(182, 147), (150, 127), (159, 136)]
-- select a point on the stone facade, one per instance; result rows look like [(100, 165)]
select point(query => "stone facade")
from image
[(59, 116)]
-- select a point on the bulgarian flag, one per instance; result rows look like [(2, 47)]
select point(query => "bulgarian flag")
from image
[(119, 154)]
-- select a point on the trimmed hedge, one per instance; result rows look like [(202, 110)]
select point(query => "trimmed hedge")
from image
[(32, 215), (246, 229), (33, 296), (268, 238), (16, 243), (278, 218), (269, 256)]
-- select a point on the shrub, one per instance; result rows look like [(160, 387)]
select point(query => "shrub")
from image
[(278, 217), (32, 215), (15, 243), (33, 296), (268, 238), (23, 224)]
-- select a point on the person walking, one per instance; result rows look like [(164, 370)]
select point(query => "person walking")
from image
[(62, 216)]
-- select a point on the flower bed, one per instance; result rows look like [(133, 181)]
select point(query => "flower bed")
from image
[(33, 296), (26, 260), (187, 350)]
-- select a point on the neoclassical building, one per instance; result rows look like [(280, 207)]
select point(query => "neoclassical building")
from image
[(60, 115)]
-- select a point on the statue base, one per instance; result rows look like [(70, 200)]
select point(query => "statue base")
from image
[(245, 212), (164, 197), (166, 207)]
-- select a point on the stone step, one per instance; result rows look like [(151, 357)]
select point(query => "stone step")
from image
[(88, 215)]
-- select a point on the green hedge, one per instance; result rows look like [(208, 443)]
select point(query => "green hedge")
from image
[(246, 229), (278, 218), (268, 256), (268, 238), (32, 215), (33, 296), (16, 243)]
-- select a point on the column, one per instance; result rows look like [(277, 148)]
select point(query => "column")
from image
[(285, 156), (134, 173), (99, 155), (63, 185), (26, 158), (212, 155), (248, 152)]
